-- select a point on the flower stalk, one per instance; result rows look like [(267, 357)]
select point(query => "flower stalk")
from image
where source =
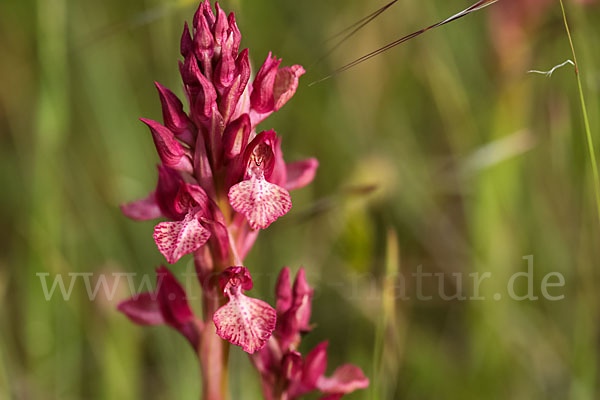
[(213, 353)]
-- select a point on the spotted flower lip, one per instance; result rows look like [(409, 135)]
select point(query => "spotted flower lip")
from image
[(243, 321), (261, 201), (174, 239)]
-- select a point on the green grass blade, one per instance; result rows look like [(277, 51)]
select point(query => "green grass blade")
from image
[(586, 121)]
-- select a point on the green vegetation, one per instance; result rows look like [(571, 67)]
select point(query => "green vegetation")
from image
[(475, 163)]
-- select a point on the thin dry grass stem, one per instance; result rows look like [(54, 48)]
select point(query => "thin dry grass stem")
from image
[(586, 121), (475, 7), (360, 21), (352, 29)]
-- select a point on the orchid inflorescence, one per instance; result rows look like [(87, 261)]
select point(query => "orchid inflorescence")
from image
[(219, 183)]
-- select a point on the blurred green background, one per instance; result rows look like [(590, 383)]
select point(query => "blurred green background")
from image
[(474, 164)]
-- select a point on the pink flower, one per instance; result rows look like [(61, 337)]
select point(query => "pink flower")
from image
[(309, 374), (219, 183), (167, 305), (283, 370), (243, 321), (261, 201), (159, 203), (171, 152), (214, 147), (293, 308), (177, 238), (272, 88)]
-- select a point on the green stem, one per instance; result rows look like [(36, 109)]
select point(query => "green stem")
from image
[(586, 121)]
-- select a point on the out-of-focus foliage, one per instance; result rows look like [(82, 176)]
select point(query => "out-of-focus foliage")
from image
[(443, 153)]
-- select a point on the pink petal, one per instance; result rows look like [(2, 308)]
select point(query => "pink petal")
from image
[(235, 277), (186, 41), (205, 12), (142, 210), (291, 364), (219, 236), (170, 151), (231, 96), (246, 236), (345, 379), (262, 99), (234, 30), (203, 95), (294, 311), (174, 307), (258, 117), (172, 299), (203, 40), (314, 366), (167, 305), (221, 26), (224, 72), (286, 83), (283, 291), (266, 361), (302, 306), (260, 201), (272, 88), (245, 322), (301, 173), (174, 239), (169, 182), (191, 196), (243, 104), (142, 309), (216, 126), (235, 137), (173, 115), (279, 173), (202, 168), (263, 149)]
